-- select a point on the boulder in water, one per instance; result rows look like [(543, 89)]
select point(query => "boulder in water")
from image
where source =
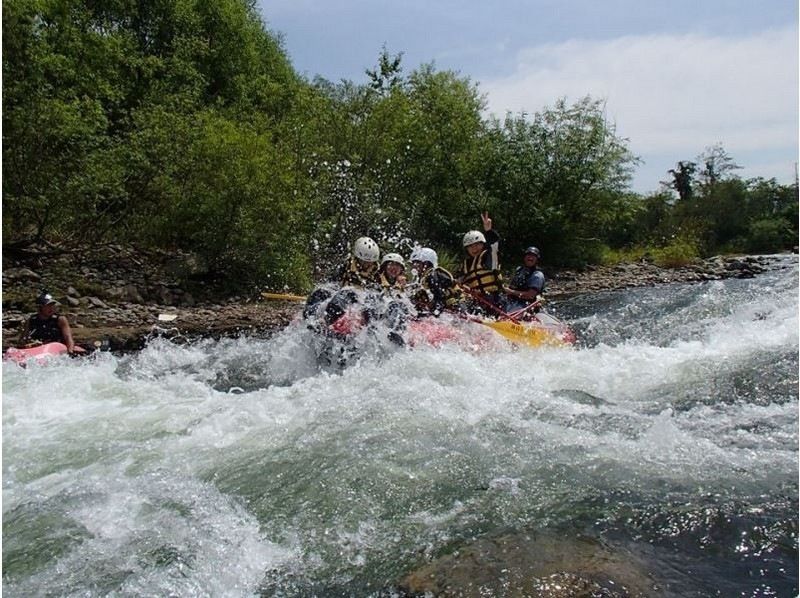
[(533, 564)]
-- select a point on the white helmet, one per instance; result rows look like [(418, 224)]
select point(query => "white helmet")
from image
[(393, 257), (426, 254), (366, 249), (414, 257), (474, 236)]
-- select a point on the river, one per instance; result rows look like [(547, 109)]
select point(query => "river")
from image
[(238, 466)]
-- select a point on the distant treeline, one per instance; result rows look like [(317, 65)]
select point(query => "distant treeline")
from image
[(182, 124)]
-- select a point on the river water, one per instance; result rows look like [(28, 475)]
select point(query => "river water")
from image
[(234, 467)]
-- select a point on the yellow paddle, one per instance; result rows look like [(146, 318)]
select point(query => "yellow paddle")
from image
[(282, 297)]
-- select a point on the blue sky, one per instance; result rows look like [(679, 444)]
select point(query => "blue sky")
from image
[(676, 76)]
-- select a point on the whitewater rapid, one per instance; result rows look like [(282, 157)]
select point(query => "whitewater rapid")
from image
[(229, 467)]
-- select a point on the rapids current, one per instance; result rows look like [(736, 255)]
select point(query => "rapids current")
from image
[(240, 466)]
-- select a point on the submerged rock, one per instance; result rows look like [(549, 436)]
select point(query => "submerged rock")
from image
[(533, 564)]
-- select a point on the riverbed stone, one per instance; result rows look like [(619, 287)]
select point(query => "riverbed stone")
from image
[(147, 289), (534, 563)]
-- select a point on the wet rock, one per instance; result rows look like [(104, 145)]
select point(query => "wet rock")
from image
[(534, 564)]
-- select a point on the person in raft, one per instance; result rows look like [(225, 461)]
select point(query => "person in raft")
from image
[(46, 326), (392, 273), (434, 288), (361, 268), (527, 282), (480, 271), (360, 271)]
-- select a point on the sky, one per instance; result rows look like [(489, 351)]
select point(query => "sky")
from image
[(676, 76)]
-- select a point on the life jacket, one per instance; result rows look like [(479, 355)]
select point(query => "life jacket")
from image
[(388, 285), (519, 280), (436, 291), (478, 277), (354, 276), (46, 330)]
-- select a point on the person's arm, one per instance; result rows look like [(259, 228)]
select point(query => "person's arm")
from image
[(24, 335), (66, 333), (532, 290), (492, 259), (528, 295)]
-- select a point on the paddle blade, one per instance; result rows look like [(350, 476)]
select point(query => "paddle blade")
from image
[(282, 297)]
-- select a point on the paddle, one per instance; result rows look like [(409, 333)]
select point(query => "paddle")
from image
[(517, 313), (478, 297), (282, 297)]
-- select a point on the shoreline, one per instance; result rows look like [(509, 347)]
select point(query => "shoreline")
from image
[(125, 303)]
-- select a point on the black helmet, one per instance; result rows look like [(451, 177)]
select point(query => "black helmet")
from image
[(46, 299), (534, 250)]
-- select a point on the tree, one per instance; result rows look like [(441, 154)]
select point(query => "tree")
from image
[(386, 75), (559, 179), (718, 165), (682, 180)]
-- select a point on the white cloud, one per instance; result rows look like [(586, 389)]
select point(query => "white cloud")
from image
[(670, 93)]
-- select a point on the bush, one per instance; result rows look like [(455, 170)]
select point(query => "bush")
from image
[(679, 252), (610, 257), (770, 235)]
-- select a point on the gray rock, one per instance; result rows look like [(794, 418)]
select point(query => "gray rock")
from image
[(22, 274), (183, 266), (95, 302), (131, 294), (165, 296)]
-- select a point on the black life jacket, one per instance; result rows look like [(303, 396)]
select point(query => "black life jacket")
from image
[(478, 277), (46, 330), (519, 280)]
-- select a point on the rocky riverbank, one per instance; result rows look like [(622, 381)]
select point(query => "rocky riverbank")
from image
[(125, 295)]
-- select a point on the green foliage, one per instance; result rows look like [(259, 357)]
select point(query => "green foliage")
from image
[(676, 253), (559, 180), (771, 235), (182, 124), (679, 252), (610, 257)]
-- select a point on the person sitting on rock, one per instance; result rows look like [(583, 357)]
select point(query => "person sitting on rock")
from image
[(527, 282), (480, 271), (46, 326), (434, 288)]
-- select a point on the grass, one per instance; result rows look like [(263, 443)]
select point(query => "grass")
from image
[(679, 252)]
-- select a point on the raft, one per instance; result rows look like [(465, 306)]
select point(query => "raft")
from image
[(40, 353), (542, 329)]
